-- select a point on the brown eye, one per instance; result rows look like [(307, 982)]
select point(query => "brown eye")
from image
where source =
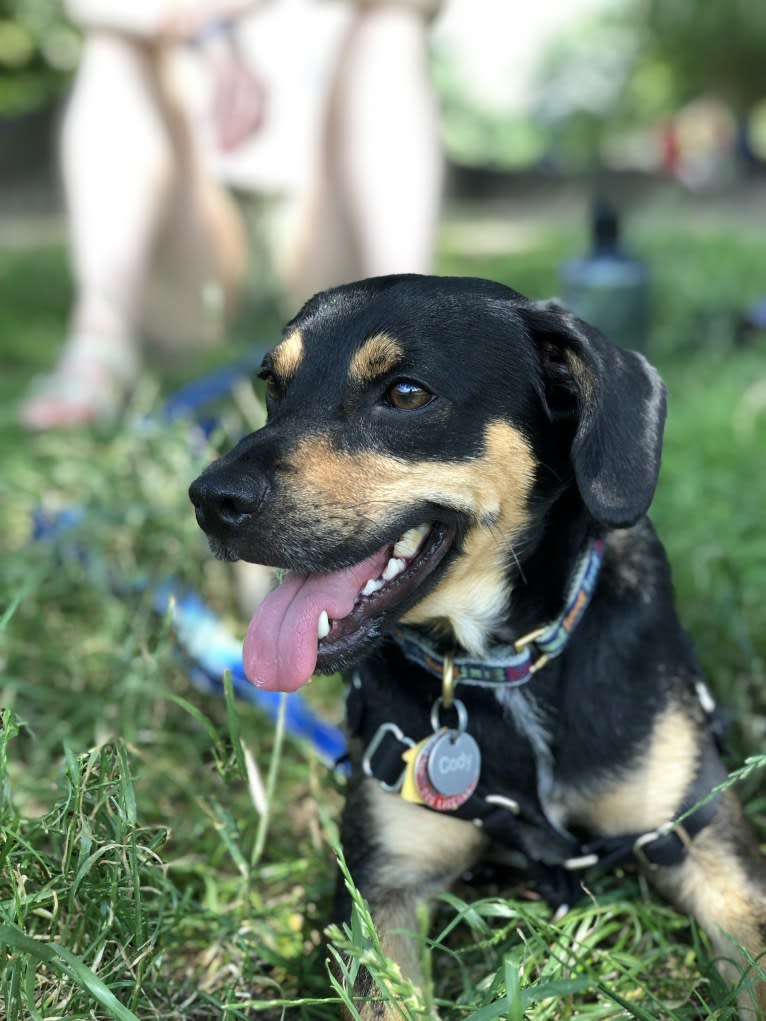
[(272, 389), (408, 396)]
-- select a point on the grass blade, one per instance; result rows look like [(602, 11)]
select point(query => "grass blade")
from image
[(64, 960)]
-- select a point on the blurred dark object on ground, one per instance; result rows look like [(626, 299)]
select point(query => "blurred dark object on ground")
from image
[(609, 287)]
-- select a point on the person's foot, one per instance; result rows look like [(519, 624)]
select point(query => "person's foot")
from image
[(89, 385)]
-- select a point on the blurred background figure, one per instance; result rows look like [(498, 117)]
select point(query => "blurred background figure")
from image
[(374, 202), (175, 101)]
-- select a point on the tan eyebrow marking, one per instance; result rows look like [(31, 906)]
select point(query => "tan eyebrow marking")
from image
[(377, 355), (287, 356)]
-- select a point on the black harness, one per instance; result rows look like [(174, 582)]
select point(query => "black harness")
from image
[(391, 731)]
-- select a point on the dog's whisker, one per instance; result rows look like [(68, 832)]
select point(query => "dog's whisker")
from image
[(516, 560)]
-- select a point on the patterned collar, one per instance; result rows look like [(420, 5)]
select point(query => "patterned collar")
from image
[(512, 665)]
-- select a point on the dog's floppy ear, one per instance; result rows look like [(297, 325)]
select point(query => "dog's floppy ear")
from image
[(616, 401)]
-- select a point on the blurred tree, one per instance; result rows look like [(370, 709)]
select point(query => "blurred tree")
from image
[(635, 62), (583, 85), (713, 47), (477, 133), (38, 51)]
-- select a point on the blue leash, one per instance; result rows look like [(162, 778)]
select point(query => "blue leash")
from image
[(190, 399), (212, 650)]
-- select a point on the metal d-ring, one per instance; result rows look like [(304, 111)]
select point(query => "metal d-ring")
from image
[(460, 709), (448, 681)]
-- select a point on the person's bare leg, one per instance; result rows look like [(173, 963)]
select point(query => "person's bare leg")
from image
[(376, 200), (201, 249), (116, 166), (133, 178), (385, 136)]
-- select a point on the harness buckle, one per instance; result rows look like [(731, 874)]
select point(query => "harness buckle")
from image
[(372, 747), (677, 829), (510, 804)]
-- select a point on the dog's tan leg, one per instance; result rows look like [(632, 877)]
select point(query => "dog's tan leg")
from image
[(395, 916), (722, 882), (722, 879), (399, 854)]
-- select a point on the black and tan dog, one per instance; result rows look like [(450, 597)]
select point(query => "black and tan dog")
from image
[(456, 479)]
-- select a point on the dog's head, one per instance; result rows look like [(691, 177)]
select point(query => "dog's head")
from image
[(419, 429)]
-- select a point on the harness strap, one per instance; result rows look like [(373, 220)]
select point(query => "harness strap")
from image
[(669, 844), (558, 857), (502, 818)]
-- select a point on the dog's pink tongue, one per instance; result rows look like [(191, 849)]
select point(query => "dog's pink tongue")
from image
[(280, 650)]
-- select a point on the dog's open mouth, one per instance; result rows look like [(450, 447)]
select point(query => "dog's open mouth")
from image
[(317, 621)]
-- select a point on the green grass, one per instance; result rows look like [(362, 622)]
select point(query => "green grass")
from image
[(141, 873)]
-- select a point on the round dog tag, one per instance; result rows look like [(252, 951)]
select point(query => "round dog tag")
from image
[(467, 768), (454, 763)]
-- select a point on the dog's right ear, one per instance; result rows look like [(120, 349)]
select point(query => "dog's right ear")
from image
[(616, 402)]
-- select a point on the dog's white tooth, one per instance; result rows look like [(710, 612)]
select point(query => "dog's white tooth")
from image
[(408, 543), (406, 546), (372, 586), (394, 567), (323, 625)]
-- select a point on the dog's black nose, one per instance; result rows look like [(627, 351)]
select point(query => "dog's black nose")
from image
[(225, 500)]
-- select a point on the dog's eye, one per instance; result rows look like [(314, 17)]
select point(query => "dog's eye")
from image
[(273, 390), (407, 395)]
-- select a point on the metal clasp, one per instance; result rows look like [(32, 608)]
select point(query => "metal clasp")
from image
[(529, 639), (649, 838), (448, 681), (372, 747)]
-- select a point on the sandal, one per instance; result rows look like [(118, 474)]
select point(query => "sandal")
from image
[(89, 386)]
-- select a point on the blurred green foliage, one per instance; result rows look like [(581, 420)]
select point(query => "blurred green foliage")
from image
[(618, 68), (716, 46), (477, 136), (38, 51), (640, 61)]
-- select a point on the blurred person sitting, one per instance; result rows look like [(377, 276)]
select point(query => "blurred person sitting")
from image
[(165, 98)]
